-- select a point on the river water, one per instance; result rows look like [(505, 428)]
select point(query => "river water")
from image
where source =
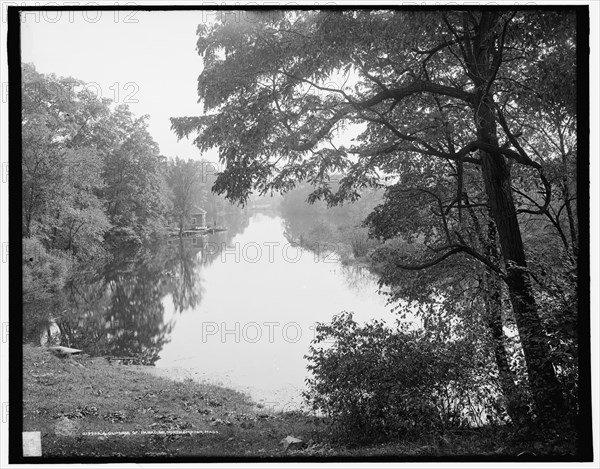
[(236, 308), (262, 298)]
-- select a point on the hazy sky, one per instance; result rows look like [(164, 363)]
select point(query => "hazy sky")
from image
[(145, 59)]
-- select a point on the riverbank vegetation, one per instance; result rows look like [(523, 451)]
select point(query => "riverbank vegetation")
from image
[(445, 161), (324, 229), (466, 121), (121, 411), (95, 190)]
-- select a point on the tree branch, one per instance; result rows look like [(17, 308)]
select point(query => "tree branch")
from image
[(455, 250), (396, 94)]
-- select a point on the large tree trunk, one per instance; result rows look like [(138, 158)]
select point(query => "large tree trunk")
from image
[(566, 192), (516, 405), (482, 61), (544, 385)]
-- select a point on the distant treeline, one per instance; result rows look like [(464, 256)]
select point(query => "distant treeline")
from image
[(94, 181), (336, 229)]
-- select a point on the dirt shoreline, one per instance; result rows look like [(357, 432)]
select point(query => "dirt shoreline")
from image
[(281, 400)]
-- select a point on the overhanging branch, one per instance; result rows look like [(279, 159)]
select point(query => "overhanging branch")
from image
[(395, 94), (456, 249)]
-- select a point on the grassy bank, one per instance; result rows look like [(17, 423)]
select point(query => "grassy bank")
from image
[(68, 399), (86, 407)]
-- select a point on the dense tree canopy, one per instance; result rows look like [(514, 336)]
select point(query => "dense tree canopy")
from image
[(95, 186), (89, 170), (466, 117)]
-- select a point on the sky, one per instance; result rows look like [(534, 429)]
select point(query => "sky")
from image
[(145, 59)]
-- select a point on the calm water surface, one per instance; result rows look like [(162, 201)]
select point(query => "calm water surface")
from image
[(237, 308), (260, 300)]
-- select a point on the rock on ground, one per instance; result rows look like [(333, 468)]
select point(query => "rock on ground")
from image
[(291, 443)]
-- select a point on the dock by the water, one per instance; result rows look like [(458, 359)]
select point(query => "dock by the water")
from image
[(196, 231)]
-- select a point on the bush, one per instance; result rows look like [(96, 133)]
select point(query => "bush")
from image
[(44, 276), (377, 382)]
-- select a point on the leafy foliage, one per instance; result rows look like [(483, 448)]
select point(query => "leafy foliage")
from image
[(134, 175), (319, 228), (462, 119), (185, 178), (44, 276), (92, 181), (90, 171), (396, 383)]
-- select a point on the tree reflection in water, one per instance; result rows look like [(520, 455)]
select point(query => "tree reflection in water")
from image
[(120, 311)]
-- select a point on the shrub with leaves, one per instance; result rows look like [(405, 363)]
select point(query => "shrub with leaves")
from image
[(44, 275), (375, 381)]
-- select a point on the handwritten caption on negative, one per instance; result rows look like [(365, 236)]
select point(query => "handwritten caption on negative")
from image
[(153, 432)]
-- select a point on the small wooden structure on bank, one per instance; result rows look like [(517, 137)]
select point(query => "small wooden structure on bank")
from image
[(195, 229), (197, 219)]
